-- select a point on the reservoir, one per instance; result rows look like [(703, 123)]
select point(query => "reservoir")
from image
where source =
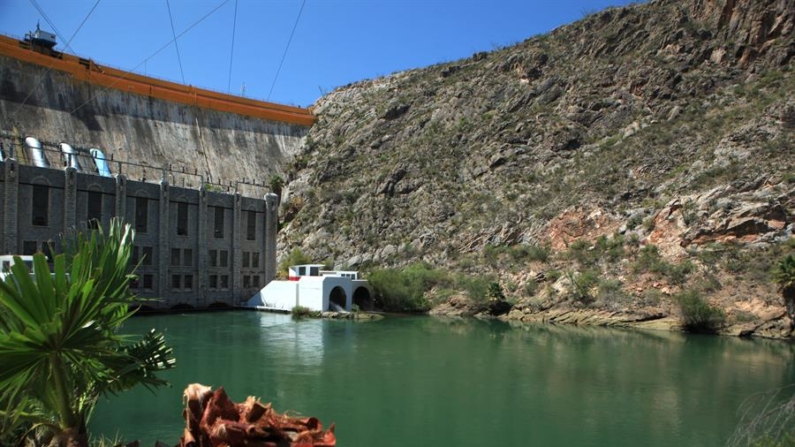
[(422, 381)]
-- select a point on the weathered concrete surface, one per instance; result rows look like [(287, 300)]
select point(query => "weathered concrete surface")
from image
[(223, 146)]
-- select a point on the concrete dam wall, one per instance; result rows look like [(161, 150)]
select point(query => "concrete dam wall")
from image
[(222, 147)]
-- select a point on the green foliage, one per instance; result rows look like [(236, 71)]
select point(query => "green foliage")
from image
[(299, 312), (296, 257), (698, 315), (404, 290), (276, 184), (582, 286), (784, 272), (649, 260), (475, 287), (587, 254), (495, 292), (59, 345)]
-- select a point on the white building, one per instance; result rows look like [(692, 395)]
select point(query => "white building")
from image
[(314, 288)]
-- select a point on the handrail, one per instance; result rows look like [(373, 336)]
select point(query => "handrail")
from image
[(16, 149), (88, 71)]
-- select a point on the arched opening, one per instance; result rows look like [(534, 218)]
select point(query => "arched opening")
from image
[(338, 298), (362, 299)]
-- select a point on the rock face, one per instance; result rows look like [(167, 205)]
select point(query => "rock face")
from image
[(668, 123)]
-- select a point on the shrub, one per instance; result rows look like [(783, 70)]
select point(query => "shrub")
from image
[(698, 315), (299, 312), (582, 286), (296, 257), (476, 287), (404, 290)]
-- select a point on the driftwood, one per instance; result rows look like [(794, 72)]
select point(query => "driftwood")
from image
[(213, 420)]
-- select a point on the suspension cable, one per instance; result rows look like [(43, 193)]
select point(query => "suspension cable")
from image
[(176, 44), (232, 52), (286, 48), (167, 44)]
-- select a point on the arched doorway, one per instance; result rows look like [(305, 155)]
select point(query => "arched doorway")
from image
[(363, 299), (338, 297)]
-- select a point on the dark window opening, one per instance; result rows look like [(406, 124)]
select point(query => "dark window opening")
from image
[(246, 281), (148, 254), (94, 209), (213, 258), (41, 205), (256, 280), (175, 281), (175, 257), (148, 280), (135, 257), (213, 281), (251, 226), (29, 248), (134, 283), (219, 222), (224, 281), (187, 257), (182, 219), (255, 259), (188, 282), (141, 214), (245, 259), (224, 258)]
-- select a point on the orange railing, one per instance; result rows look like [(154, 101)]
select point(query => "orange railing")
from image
[(86, 70)]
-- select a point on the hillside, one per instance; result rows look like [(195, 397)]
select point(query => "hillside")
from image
[(595, 172)]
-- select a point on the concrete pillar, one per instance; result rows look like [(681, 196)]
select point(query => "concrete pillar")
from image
[(164, 247), (121, 197), (9, 241), (202, 276), (237, 254), (271, 228), (69, 198)]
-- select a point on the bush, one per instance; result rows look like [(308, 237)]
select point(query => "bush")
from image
[(404, 290), (299, 312), (296, 257), (698, 315), (476, 287)]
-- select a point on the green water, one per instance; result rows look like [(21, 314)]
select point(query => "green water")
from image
[(421, 381)]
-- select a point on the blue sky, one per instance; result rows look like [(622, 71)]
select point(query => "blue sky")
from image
[(335, 42)]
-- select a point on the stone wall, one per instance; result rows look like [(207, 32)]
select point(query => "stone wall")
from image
[(195, 247)]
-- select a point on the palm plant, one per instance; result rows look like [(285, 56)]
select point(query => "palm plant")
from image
[(59, 346), (784, 275)]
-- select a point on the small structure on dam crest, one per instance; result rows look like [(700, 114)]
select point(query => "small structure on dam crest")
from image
[(314, 288)]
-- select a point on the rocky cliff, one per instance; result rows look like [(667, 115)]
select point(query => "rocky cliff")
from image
[(648, 147)]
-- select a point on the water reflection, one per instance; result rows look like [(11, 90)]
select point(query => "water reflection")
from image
[(424, 381)]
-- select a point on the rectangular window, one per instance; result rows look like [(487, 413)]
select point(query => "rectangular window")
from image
[(135, 257), (175, 257), (94, 214), (213, 258), (40, 205), (148, 256), (148, 280), (134, 283), (141, 214), (224, 258), (256, 281), (175, 281), (213, 281), (188, 282), (182, 219), (187, 257), (255, 259), (224, 281), (29, 247), (246, 259), (246, 281), (219, 222), (251, 226)]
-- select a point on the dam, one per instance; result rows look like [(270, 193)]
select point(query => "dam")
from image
[(188, 168)]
